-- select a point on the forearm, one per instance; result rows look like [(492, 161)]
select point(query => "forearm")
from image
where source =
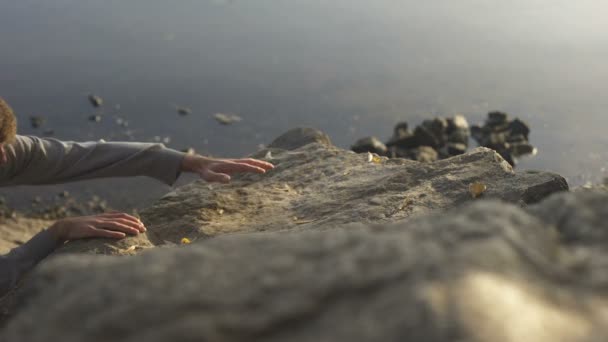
[(23, 258), (34, 160)]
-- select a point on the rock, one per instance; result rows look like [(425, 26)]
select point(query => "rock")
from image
[(37, 121), (477, 133), (456, 275), (331, 185), (95, 100), (401, 130), (508, 138), (403, 142), (521, 149), (497, 118), (369, 144), (298, 137), (455, 149), (425, 137), (457, 122), (424, 154), (18, 230), (302, 262), (95, 118), (402, 137), (183, 111), (518, 127), (226, 119), (459, 136)]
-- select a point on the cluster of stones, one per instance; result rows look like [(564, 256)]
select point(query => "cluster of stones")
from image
[(507, 137), (434, 139)]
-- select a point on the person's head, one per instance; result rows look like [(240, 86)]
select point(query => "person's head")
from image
[(8, 127)]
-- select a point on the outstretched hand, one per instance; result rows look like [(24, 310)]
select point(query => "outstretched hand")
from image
[(219, 170), (107, 225)]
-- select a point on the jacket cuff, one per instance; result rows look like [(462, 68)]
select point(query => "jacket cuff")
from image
[(172, 162), (36, 249)]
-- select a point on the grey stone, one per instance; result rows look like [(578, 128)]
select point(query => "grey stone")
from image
[(456, 149), (369, 144), (497, 118), (37, 121), (457, 122), (517, 126), (426, 137), (424, 154), (299, 137), (95, 100), (520, 149)]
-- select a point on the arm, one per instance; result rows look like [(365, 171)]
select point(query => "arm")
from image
[(23, 258), (32, 160)]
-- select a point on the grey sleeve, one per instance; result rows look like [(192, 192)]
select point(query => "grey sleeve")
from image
[(23, 258), (33, 160)]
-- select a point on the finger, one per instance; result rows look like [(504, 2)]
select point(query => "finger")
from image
[(113, 225), (211, 176), (116, 214), (103, 233), (133, 224), (232, 167), (127, 219), (255, 162)]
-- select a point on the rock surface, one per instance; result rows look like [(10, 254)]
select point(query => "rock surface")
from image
[(334, 246), (487, 272), (16, 231)]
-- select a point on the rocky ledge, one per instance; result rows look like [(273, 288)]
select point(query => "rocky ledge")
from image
[(338, 246)]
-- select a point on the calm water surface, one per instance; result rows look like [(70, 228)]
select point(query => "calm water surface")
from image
[(351, 67)]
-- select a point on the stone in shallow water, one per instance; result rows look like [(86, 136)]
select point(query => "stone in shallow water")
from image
[(369, 144), (226, 119), (454, 149), (95, 100), (37, 121), (518, 127), (508, 138), (497, 118), (95, 118), (183, 110)]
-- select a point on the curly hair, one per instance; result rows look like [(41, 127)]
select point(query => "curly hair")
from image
[(8, 123)]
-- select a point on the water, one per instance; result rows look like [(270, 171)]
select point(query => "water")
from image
[(350, 67)]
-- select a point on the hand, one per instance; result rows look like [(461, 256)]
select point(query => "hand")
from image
[(219, 170), (108, 225)]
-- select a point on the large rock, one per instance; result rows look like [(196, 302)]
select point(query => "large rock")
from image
[(489, 271), (319, 185), (322, 282)]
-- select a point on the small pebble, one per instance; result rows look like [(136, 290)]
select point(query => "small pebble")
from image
[(184, 111), (95, 118), (95, 100), (226, 119)]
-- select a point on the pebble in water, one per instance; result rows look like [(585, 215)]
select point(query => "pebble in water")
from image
[(226, 119), (95, 100), (184, 111), (37, 121), (95, 118)]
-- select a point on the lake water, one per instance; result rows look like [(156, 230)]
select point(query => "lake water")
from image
[(350, 67)]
